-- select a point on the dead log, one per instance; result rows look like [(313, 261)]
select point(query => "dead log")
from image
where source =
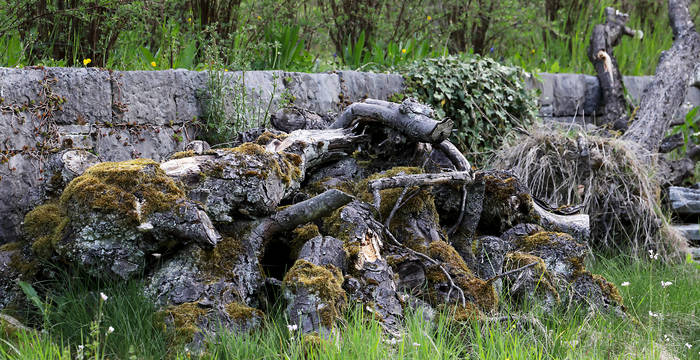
[(411, 118), (673, 75), (407, 181), (600, 52)]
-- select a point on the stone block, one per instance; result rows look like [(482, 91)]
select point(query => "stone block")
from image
[(319, 93), (356, 86)]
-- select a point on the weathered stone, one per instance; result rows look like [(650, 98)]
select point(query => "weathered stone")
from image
[(239, 182), (315, 92), (356, 86), (293, 118), (115, 214), (490, 254), (684, 201), (690, 232)]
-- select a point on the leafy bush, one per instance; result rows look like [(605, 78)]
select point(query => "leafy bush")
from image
[(484, 99)]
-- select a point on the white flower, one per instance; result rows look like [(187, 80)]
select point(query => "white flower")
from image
[(688, 346), (664, 284), (626, 283), (652, 314), (653, 255), (292, 327), (392, 341), (110, 330), (416, 344), (81, 347), (667, 337), (103, 296)]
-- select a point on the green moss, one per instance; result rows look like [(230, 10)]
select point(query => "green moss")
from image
[(302, 234), (13, 246), (609, 289), (42, 220), (283, 165), (324, 281), (239, 312), (534, 241), (115, 187), (481, 291), (267, 137), (469, 312), (218, 262), (183, 154), (444, 252), (322, 185), (44, 227), (184, 319)]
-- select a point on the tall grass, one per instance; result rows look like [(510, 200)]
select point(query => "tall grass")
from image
[(662, 322)]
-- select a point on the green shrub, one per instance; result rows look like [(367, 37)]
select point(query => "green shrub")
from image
[(484, 99)]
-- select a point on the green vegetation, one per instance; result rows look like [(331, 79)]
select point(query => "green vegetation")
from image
[(485, 99), (663, 320), (541, 35)]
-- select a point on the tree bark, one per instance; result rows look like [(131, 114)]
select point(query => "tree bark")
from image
[(411, 118), (600, 52), (665, 94)]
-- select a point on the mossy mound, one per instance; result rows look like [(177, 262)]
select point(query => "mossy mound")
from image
[(285, 166), (183, 154), (323, 281), (442, 251), (219, 261), (44, 227), (184, 319), (242, 313), (132, 189)]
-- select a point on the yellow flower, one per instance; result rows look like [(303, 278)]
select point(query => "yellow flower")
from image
[(225, 70), (189, 19), (86, 61), (442, 103), (403, 51), (429, 18), (259, 17), (532, 51), (153, 63)]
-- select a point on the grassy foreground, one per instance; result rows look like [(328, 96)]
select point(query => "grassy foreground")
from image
[(664, 323)]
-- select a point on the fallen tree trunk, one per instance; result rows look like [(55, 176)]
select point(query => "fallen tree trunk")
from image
[(673, 74), (411, 118)]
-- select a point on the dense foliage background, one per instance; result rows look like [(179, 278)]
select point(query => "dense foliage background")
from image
[(313, 35)]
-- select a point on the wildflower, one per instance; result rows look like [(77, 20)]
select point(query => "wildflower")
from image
[(103, 296), (153, 63), (653, 314), (259, 17), (81, 347), (86, 61), (688, 346), (189, 19), (491, 50), (392, 341), (403, 51), (225, 70), (532, 51), (292, 327), (665, 284), (416, 344), (667, 337), (626, 283), (110, 330), (653, 255), (429, 18), (442, 102)]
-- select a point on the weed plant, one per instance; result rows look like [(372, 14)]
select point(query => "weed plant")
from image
[(663, 321)]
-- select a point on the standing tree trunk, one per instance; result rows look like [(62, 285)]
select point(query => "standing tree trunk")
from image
[(600, 52), (664, 95)]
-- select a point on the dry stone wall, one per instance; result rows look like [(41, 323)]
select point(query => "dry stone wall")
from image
[(120, 115)]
